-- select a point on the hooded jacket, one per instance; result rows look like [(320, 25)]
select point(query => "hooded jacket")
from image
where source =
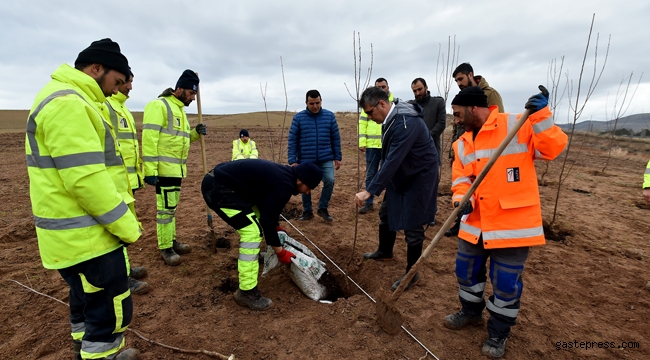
[(77, 182), (507, 211), (127, 137), (166, 138)]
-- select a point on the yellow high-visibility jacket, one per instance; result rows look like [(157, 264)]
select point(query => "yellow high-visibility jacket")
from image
[(127, 136), (241, 150), (166, 138), (370, 131), (77, 182), (646, 177)]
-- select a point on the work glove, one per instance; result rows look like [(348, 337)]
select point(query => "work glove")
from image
[(465, 210), (285, 256), (201, 129), (280, 228), (538, 101), (151, 180)]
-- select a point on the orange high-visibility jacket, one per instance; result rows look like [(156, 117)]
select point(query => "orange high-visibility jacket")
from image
[(506, 204)]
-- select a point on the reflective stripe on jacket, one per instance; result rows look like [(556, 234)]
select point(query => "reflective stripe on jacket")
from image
[(370, 131), (80, 210), (241, 150), (506, 204), (166, 138), (127, 137), (646, 177)]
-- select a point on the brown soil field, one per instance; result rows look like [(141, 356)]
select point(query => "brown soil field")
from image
[(589, 288)]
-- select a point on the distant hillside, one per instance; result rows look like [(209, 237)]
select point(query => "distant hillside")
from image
[(636, 122)]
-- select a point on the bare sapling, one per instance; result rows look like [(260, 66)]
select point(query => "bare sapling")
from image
[(268, 122), (356, 97), (444, 68), (577, 104), (286, 107), (621, 105), (558, 89)]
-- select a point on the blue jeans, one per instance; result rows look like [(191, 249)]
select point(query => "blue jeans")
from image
[(373, 158), (328, 187)]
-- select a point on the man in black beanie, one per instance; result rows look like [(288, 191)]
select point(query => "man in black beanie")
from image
[(249, 195), (502, 219), (81, 199), (166, 138)]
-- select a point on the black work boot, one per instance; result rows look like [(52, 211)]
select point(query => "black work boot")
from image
[(252, 299), (494, 346), (128, 354), (459, 320), (76, 349), (182, 249), (306, 215), (414, 280), (366, 208), (386, 242), (170, 256), (138, 272), (324, 214), (138, 287)]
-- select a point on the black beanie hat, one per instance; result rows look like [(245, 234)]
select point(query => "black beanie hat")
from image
[(188, 80), (243, 132), (107, 53), (471, 96), (309, 174)]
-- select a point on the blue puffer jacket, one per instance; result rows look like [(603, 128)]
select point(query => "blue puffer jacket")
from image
[(314, 137)]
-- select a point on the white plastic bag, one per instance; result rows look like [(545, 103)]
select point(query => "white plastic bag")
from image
[(305, 269)]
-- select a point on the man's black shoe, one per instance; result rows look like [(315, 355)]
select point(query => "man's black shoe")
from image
[(378, 255), (306, 215), (324, 214), (414, 280), (366, 208), (453, 231)]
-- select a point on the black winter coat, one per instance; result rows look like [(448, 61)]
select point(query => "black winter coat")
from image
[(409, 169)]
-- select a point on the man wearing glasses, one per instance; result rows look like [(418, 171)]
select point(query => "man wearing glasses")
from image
[(409, 162)]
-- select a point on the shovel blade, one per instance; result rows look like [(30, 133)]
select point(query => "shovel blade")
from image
[(388, 317)]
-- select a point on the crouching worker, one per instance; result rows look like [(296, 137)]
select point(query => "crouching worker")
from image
[(249, 195)]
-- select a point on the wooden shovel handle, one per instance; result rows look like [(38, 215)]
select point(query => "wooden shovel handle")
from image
[(427, 252)]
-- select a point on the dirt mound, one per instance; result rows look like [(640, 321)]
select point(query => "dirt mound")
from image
[(582, 289)]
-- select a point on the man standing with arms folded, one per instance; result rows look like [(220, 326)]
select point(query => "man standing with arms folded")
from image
[(370, 144), (83, 209), (126, 134), (314, 137), (409, 162), (464, 77), (504, 214), (166, 138)]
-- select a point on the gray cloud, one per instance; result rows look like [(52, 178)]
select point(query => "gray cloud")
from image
[(236, 45)]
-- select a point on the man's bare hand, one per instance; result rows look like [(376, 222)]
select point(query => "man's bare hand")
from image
[(646, 194), (360, 198), (337, 164), (362, 149)]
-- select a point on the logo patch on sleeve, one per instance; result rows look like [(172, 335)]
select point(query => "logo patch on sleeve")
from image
[(513, 174)]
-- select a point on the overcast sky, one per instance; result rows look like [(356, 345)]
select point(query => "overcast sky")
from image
[(236, 45)]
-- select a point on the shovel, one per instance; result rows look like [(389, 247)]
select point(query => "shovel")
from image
[(205, 171), (388, 316)]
